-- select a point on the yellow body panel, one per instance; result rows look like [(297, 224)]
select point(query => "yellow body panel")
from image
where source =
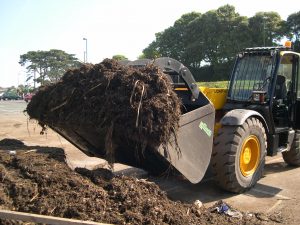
[(217, 96), (216, 128)]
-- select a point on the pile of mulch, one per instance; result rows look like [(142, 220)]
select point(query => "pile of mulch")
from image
[(111, 104), (41, 182)]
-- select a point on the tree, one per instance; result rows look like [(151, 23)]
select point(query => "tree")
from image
[(24, 89), (119, 57), (293, 29), (213, 41), (266, 28), (170, 42), (198, 40), (152, 51), (49, 66), (141, 56), (58, 62), (207, 43), (34, 62)]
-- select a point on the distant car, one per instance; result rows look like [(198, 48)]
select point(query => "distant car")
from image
[(28, 97), (10, 96)]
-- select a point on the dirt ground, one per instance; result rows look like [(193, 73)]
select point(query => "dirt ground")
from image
[(34, 166)]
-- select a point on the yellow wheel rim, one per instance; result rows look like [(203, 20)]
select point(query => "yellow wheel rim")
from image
[(250, 156)]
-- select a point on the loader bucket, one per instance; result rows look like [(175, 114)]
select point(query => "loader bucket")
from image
[(195, 138), (190, 157)]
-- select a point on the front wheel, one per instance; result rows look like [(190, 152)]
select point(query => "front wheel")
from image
[(238, 156), (292, 157)]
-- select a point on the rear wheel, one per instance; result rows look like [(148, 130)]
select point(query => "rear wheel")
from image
[(238, 156), (292, 157)]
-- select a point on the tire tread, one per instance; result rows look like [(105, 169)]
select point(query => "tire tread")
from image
[(292, 157), (225, 148)]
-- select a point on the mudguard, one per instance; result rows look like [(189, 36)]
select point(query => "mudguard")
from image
[(237, 117)]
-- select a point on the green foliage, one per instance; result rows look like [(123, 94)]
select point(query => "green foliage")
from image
[(152, 51), (293, 23), (24, 89), (119, 57), (47, 66), (170, 42), (293, 29), (266, 28), (142, 56), (214, 36), (208, 43)]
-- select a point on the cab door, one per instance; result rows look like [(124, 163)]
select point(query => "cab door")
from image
[(287, 91), (296, 97)]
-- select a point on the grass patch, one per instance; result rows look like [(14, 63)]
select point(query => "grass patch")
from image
[(214, 84)]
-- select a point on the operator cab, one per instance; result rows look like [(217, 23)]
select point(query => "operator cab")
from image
[(267, 80)]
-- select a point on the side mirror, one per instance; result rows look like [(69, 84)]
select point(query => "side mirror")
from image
[(259, 97)]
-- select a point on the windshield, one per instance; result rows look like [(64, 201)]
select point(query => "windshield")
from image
[(252, 72)]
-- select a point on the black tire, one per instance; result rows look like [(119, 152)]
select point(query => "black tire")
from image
[(292, 157), (226, 154)]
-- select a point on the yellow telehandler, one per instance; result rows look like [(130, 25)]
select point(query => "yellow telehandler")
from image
[(230, 129)]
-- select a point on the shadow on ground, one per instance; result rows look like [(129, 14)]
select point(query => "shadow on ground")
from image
[(178, 188), (277, 167)]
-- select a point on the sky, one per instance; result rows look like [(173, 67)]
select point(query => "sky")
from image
[(110, 26)]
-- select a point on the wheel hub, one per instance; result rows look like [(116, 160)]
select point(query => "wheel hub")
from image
[(247, 156), (250, 155)]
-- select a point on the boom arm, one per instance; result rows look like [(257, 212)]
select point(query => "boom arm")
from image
[(169, 65)]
